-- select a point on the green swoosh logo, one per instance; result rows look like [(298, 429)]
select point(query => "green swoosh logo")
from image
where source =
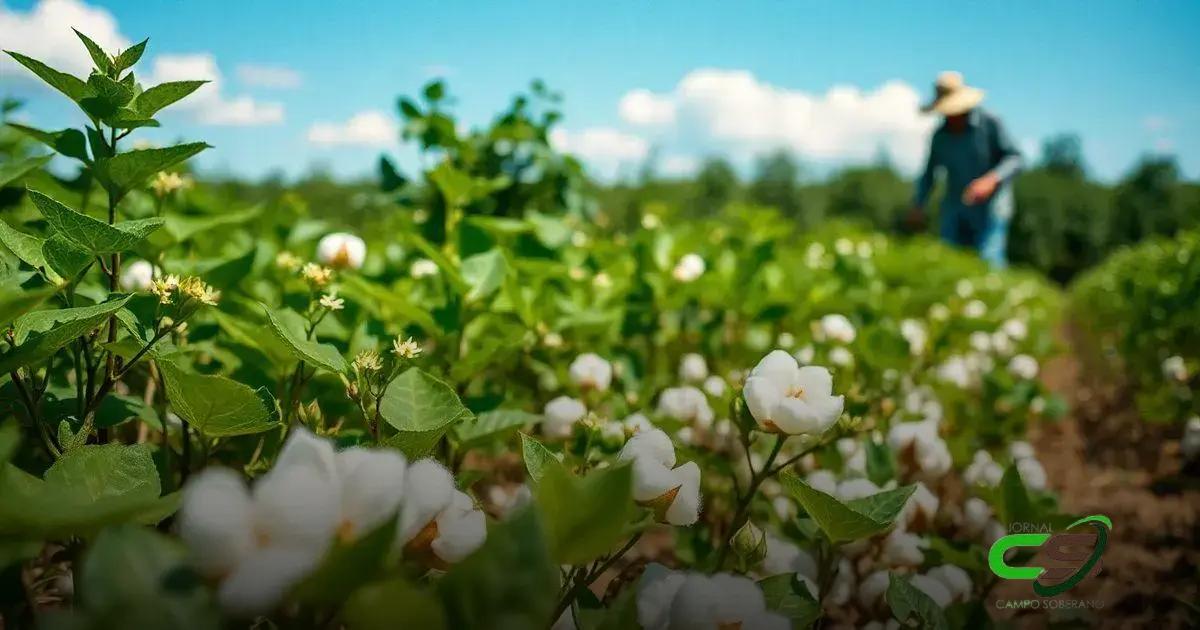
[(1102, 525)]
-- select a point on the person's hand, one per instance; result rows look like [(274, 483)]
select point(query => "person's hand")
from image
[(915, 219), (980, 190)]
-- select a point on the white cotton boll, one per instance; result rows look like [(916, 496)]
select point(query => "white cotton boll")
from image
[(216, 520), (976, 515), (933, 457), (805, 355), (915, 334), (933, 588), (823, 481), (955, 579), (786, 340), (786, 398), (654, 444), (423, 268), (1023, 366), (687, 404), (612, 433), (685, 509), (956, 370), (1001, 344), (428, 489), (1032, 473), (689, 268), (902, 435), (656, 591), (980, 341), (1021, 450), (372, 482), (297, 508), (305, 449), (1189, 446), (844, 582), (994, 531), (939, 312), (636, 423), (921, 507), (714, 386), (837, 327), (975, 309), (137, 276), (852, 489), (591, 371), (1015, 328), (983, 470), (342, 249), (872, 588), (902, 549), (1175, 368), (560, 416), (263, 578), (461, 529), (693, 368), (783, 556), (841, 357), (964, 288)]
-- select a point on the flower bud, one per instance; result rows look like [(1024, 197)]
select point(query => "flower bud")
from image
[(750, 544)]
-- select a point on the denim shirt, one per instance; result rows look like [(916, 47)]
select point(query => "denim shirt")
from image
[(982, 147)]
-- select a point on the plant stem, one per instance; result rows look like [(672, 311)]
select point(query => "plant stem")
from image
[(743, 509), (584, 578)]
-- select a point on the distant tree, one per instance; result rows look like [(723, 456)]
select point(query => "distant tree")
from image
[(1149, 201), (776, 183), (716, 185), (1062, 154), (874, 194)]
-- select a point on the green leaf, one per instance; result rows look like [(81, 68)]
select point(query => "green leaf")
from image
[(41, 333), (289, 327), (108, 96), (510, 583), (15, 302), (585, 517), (65, 257), (14, 170), (1015, 503), (484, 273), (72, 86), (157, 589), (881, 464), (130, 56), (99, 57), (215, 405), (68, 142), (492, 425), (422, 409), (156, 98), (852, 520), (392, 604), (90, 233), (86, 489), (24, 246), (789, 597), (128, 170), (909, 601), (347, 566), (538, 459), (184, 227), (385, 303), (248, 332)]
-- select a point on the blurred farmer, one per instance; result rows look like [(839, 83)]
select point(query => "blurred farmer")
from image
[(979, 161)]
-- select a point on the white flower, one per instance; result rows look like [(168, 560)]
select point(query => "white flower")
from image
[(902, 549), (612, 433), (844, 246), (423, 268), (1175, 368), (560, 416), (939, 312), (1021, 450), (1023, 366), (805, 355), (916, 335), (920, 509), (976, 515), (669, 600), (836, 327), (1032, 473), (957, 370), (1015, 328), (983, 470), (822, 480), (783, 556), (1001, 343), (858, 488), (651, 221), (975, 309), (964, 289), (685, 403), (689, 268), (1190, 444), (933, 588), (591, 371), (980, 341), (714, 386), (841, 357), (674, 492), (786, 340), (262, 542), (693, 368), (602, 281), (786, 398), (342, 249), (137, 276), (636, 423), (955, 579)]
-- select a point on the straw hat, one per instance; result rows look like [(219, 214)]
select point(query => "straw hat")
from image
[(952, 96)]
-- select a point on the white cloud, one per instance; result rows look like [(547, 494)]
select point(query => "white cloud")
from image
[(44, 33), (266, 76), (1156, 123), (371, 128), (606, 150), (734, 111), (679, 165), (209, 104), (643, 107)]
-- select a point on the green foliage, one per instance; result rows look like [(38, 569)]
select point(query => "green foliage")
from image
[(214, 405), (585, 517), (421, 408), (851, 520), (788, 596), (907, 602)]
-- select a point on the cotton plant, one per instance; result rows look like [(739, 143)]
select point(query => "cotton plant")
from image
[(672, 492), (342, 250), (673, 600)]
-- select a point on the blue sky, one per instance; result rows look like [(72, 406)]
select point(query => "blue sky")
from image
[(833, 82)]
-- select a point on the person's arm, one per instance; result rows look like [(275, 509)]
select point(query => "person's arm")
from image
[(924, 184), (1010, 161)]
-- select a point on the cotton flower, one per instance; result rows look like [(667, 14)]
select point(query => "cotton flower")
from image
[(1021, 450), (714, 386), (372, 483), (836, 327), (919, 445), (983, 470), (975, 309), (330, 301), (955, 579), (872, 588), (805, 355), (438, 524), (165, 183), (591, 371), (342, 249), (316, 275), (561, 414), (1001, 343), (902, 549), (137, 276), (673, 492), (957, 370), (693, 368), (602, 281), (689, 268), (823, 481), (1015, 328), (422, 268), (939, 312), (854, 456), (786, 340), (406, 348), (980, 341), (916, 335), (685, 403), (786, 398), (1175, 368), (636, 423), (288, 261), (1032, 473), (1023, 366), (670, 600), (841, 357), (976, 515), (920, 509), (783, 556)]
